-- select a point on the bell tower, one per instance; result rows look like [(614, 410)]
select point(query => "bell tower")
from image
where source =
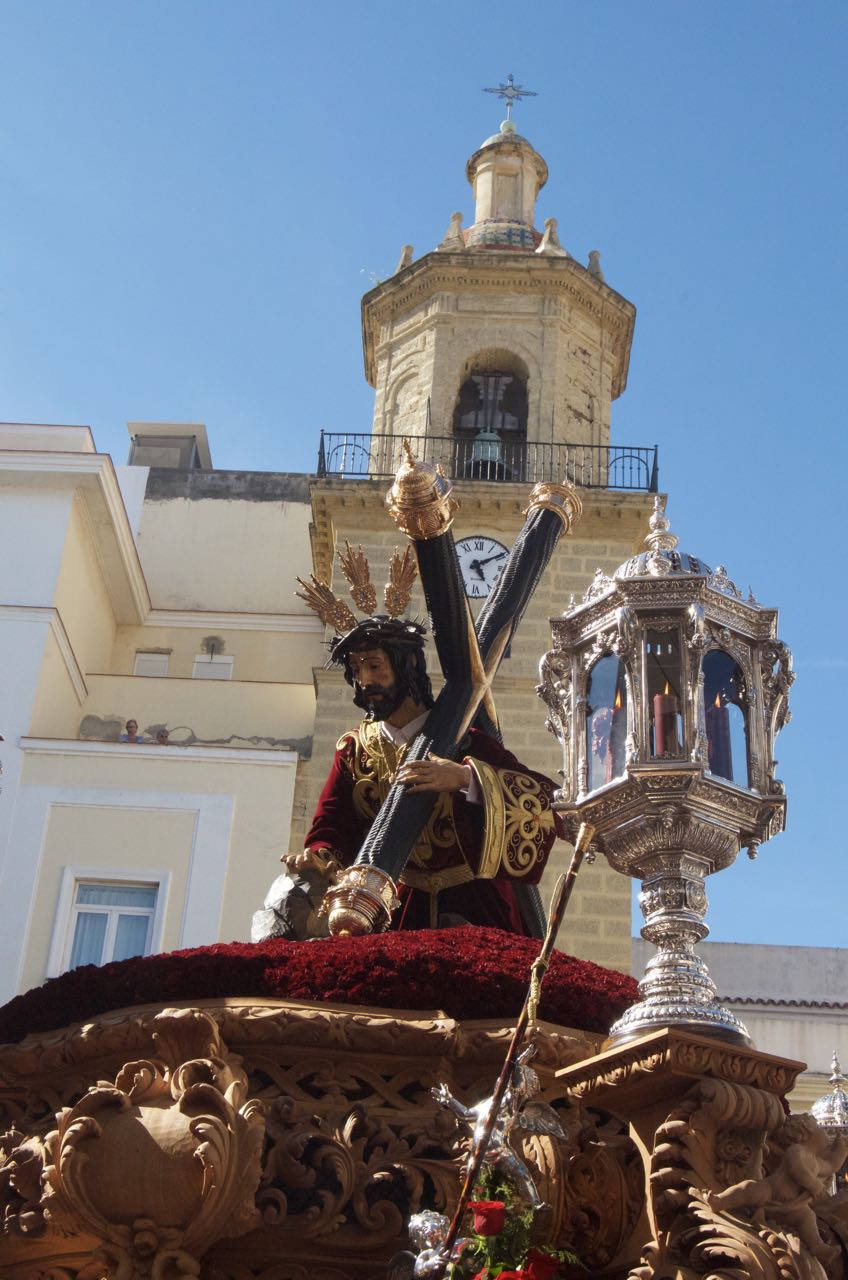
[(499, 329)]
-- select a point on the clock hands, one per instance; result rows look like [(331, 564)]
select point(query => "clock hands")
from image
[(477, 565)]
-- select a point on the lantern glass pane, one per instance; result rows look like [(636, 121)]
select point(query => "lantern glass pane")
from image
[(606, 721), (724, 717), (664, 685)]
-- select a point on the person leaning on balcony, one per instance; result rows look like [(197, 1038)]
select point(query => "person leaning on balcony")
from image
[(131, 733), (163, 737)]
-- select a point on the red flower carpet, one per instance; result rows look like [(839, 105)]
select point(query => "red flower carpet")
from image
[(468, 973)]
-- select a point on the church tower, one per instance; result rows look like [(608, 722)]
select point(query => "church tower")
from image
[(498, 355), (499, 324)]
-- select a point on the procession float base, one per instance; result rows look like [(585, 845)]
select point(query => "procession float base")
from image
[(234, 1135)]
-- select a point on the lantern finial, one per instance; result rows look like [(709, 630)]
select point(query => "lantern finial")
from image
[(659, 539)]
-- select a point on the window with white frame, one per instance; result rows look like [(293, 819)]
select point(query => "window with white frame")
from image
[(214, 666), (106, 917), (150, 664)]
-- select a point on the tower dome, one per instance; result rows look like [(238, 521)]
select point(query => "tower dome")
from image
[(506, 174)]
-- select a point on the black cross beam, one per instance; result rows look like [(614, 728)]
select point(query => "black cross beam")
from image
[(469, 657)]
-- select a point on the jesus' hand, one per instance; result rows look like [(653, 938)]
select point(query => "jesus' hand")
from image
[(434, 774)]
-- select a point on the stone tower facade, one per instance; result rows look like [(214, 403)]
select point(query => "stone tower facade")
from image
[(498, 297), (519, 351)]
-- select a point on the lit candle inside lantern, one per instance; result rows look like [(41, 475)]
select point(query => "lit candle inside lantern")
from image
[(615, 754), (718, 740), (666, 708), (609, 750), (600, 746)]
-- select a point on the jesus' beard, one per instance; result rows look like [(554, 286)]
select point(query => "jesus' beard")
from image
[(381, 702)]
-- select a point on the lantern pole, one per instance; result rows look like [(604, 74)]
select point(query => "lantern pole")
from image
[(526, 1018)]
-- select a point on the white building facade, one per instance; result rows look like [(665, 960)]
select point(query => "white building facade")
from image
[(152, 594)]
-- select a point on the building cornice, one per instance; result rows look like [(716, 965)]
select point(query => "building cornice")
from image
[(51, 615), (281, 623), (439, 272), (92, 479), (757, 1003), (92, 476), (493, 505), (214, 755)]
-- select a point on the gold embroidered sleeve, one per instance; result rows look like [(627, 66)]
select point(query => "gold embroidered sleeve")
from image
[(518, 822), (494, 817)]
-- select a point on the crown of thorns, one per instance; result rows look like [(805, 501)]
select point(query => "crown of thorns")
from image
[(352, 632), (378, 632)]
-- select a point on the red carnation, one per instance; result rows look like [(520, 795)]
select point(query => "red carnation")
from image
[(541, 1266), (489, 1216)]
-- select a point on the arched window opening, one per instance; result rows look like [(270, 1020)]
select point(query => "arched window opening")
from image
[(490, 421), (606, 722), (725, 718)]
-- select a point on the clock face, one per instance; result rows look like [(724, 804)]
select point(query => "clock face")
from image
[(481, 560)]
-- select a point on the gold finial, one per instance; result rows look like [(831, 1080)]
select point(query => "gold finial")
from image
[(361, 900), (354, 566), (420, 501), (332, 611), (563, 499), (402, 574)]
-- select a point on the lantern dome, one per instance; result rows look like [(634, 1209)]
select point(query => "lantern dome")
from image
[(831, 1110), (662, 558)]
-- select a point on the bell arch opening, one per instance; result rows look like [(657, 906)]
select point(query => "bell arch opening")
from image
[(490, 417)]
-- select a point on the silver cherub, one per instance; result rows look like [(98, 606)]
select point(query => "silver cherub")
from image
[(428, 1232), (517, 1110)]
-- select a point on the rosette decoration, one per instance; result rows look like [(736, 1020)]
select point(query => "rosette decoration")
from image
[(193, 1142)]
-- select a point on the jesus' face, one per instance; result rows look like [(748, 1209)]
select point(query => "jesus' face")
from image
[(374, 675)]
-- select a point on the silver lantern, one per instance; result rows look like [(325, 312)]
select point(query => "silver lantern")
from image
[(667, 689)]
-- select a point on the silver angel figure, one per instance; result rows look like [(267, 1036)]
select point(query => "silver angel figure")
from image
[(518, 1110), (428, 1232)]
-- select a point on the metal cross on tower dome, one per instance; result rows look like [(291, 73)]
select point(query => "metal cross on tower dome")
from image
[(511, 92)]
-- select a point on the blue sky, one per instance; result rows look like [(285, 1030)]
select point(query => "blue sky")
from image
[(195, 196)]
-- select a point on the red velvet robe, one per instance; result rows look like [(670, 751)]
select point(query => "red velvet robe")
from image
[(470, 856)]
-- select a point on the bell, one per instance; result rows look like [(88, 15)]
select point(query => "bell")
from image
[(487, 449)]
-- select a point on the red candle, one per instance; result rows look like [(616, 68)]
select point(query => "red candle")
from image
[(718, 740), (665, 723)]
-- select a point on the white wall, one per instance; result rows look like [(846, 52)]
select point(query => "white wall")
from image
[(132, 482), (213, 819), (33, 525), (234, 555), (23, 637)]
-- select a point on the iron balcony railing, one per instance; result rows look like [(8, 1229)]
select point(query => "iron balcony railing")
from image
[(355, 456)]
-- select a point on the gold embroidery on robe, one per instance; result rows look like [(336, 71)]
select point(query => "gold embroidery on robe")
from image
[(375, 761), (494, 820), (529, 819), (517, 815)]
